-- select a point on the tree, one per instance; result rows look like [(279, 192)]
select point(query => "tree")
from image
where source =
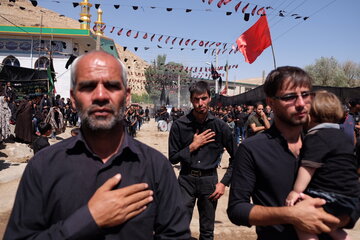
[(161, 75), (352, 73), (327, 72)]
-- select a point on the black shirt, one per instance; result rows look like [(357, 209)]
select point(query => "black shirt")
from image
[(182, 134), (331, 152), (39, 143), (264, 170), (51, 202)]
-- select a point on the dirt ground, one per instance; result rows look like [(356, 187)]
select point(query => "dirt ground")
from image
[(13, 156)]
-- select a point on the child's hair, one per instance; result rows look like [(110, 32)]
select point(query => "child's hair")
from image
[(326, 107), (75, 131), (44, 127)]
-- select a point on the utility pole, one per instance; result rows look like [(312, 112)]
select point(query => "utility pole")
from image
[(179, 88), (216, 80)]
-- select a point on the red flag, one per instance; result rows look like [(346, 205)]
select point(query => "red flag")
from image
[(136, 35), (152, 37), (128, 33), (237, 6), (255, 40), (187, 42), (244, 8), (145, 36), (112, 29), (220, 3), (167, 39), (226, 2), (119, 32)]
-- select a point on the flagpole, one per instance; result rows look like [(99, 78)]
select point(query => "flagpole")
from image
[(272, 50)]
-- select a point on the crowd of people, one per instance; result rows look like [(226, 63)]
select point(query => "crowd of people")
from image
[(288, 174)]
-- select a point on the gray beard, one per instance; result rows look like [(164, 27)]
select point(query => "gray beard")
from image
[(102, 123)]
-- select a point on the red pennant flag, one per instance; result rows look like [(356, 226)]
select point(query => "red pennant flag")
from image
[(201, 43), (230, 51), (119, 32), (207, 43), (112, 29), (226, 2), (244, 9), (136, 35), (167, 39), (210, 1), (160, 38), (128, 33), (255, 40), (253, 11), (193, 42), (220, 3), (145, 36), (211, 44), (173, 41), (94, 28), (181, 41), (218, 44), (152, 37), (260, 11), (187, 42), (237, 6)]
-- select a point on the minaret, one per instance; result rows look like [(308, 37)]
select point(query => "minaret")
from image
[(85, 15), (99, 24)]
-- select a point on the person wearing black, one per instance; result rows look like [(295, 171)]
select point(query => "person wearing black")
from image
[(196, 140), (265, 165), (42, 141), (100, 184), (45, 103), (239, 117)]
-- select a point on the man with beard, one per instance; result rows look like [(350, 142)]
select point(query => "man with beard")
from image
[(266, 164), (100, 184), (196, 140)]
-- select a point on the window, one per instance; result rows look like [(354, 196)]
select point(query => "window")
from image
[(42, 63), (11, 61)]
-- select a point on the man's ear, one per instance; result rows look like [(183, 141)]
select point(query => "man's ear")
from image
[(128, 95), (72, 98)]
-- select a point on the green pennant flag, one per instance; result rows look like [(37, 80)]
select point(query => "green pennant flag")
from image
[(51, 80)]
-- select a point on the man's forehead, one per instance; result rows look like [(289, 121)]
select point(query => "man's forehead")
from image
[(291, 86), (200, 95)]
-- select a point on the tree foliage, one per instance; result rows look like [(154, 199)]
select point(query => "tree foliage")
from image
[(329, 72), (161, 75)]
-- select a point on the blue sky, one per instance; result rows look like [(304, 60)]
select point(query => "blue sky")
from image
[(332, 30)]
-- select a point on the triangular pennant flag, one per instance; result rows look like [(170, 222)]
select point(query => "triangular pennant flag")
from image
[(128, 33), (230, 51), (159, 46), (205, 51), (97, 5), (94, 28), (34, 3), (181, 49), (146, 48), (228, 13), (181, 41), (225, 45), (119, 32), (167, 39), (210, 1), (103, 28), (226, 2), (169, 9), (116, 6), (220, 3), (244, 8), (211, 44), (137, 34), (246, 16), (112, 29), (187, 42), (188, 10), (255, 40), (201, 43), (237, 6), (125, 59), (145, 36), (173, 41), (135, 7), (193, 42), (260, 11), (75, 4), (224, 51), (305, 18), (160, 38), (124, 48), (218, 44), (135, 48), (253, 11), (152, 37)]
